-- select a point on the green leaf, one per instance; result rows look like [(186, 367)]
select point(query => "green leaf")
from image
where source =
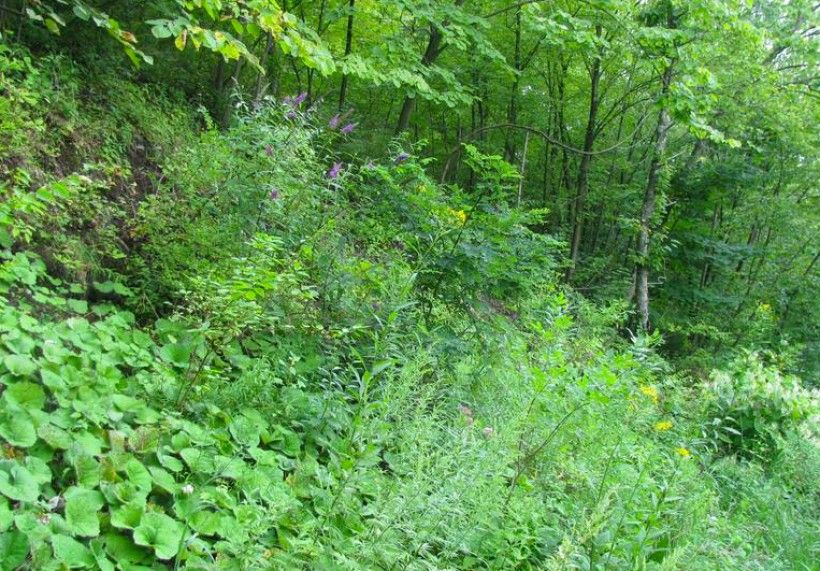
[(163, 479), (17, 483), (20, 365), (54, 436), (81, 507), (71, 552), (205, 522), (138, 475), (161, 533), (17, 429), (245, 431), (129, 515), (78, 305), (52, 26), (198, 460), (13, 550), (26, 395), (177, 354), (87, 470), (97, 547), (6, 515)]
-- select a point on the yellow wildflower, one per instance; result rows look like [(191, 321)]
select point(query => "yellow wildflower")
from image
[(651, 392), (683, 452), (459, 215), (663, 425)]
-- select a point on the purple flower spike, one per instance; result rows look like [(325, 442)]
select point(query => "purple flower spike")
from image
[(291, 115), (401, 158), (269, 150), (299, 99), (335, 170), (347, 129), (334, 121), (274, 194)]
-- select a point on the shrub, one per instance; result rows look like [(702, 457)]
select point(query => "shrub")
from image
[(751, 405)]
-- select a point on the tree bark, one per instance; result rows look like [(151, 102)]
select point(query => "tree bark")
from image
[(432, 52), (648, 208), (586, 161), (430, 55), (348, 50), (523, 170)]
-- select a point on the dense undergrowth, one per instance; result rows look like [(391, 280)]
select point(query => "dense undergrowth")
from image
[(223, 350)]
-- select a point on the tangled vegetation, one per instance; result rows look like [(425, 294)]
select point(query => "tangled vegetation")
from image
[(245, 324)]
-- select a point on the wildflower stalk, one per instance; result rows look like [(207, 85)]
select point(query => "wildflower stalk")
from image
[(632, 493), (523, 462)]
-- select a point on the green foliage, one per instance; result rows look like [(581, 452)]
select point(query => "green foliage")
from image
[(752, 406), (279, 345)]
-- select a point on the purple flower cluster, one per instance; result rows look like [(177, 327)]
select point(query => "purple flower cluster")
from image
[(401, 158), (335, 171), (274, 193), (295, 101), (347, 129)]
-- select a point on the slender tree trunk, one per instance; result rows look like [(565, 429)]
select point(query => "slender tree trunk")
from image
[(319, 29), (348, 50), (227, 110), (512, 110), (430, 55), (586, 161), (648, 208), (523, 168), (261, 87), (713, 230)]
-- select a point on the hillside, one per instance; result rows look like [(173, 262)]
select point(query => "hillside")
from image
[(246, 330)]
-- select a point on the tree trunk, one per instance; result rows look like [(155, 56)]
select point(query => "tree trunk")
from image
[(430, 55), (319, 28), (261, 86), (648, 209), (523, 171), (586, 161), (348, 50), (512, 110)]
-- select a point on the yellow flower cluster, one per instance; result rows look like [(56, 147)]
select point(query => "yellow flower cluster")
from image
[(651, 392), (459, 215), (683, 452), (663, 425)]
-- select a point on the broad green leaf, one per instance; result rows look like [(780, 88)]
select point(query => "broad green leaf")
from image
[(81, 507), (161, 533), (13, 550), (163, 479), (20, 365), (87, 471), (26, 395), (128, 516), (138, 475), (17, 483), (71, 552), (245, 431), (6, 515), (177, 354), (17, 428), (198, 459), (55, 437)]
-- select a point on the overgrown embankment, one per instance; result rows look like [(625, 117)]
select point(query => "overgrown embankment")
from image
[(238, 350)]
